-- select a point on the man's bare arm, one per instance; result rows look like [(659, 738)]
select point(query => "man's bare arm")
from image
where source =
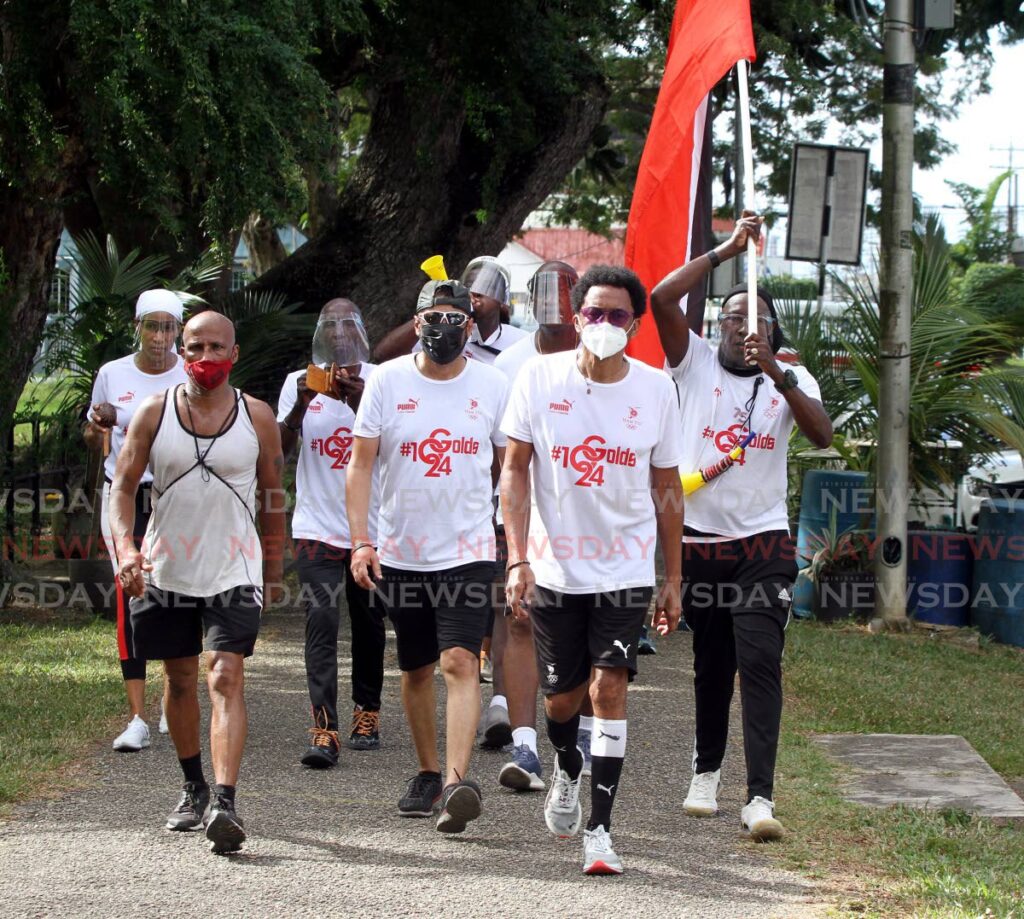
[(270, 497)]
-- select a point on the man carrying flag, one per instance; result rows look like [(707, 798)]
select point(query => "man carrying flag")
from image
[(739, 559)]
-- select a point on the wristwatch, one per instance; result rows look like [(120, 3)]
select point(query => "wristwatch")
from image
[(789, 381)]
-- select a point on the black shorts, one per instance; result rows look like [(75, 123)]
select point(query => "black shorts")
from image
[(574, 632), (166, 625), (436, 610)]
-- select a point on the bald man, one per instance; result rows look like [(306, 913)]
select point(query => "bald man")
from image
[(198, 582)]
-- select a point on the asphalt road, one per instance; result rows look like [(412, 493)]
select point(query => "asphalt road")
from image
[(330, 843)]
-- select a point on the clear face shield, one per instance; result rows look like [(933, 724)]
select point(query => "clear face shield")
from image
[(341, 341), (488, 279), (550, 298)]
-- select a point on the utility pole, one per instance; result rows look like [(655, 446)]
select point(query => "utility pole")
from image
[(896, 292), (1011, 188)]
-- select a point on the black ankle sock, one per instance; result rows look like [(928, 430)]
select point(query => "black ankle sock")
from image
[(604, 783), (430, 775), (563, 738), (225, 791), (193, 769)]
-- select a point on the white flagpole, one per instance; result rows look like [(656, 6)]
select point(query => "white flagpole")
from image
[(748, 192)]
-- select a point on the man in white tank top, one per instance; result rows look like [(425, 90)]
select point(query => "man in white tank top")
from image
[(197, 584)]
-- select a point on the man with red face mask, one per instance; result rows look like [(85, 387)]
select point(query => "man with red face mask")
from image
[(198, 581)]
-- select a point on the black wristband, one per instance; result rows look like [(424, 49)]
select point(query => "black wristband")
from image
[(290, 428), (363, 545), (713, 258), (516, 565)]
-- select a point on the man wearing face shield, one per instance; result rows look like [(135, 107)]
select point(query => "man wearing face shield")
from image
[(594, 437), (737, 545), (489, 285), (321, 423), (550, 291), (431, 420), (121, 386)]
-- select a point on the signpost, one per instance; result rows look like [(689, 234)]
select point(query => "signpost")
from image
[(827, 200)]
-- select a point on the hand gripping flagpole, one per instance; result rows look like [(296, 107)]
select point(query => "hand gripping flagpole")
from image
[(748, 191)]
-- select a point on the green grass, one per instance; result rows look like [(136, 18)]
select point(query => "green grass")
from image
[(62, 691), (38, 397), (900, 861)]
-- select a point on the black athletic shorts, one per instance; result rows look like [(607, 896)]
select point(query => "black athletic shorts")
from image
[(574, 632), (166, 625), (436, 610)]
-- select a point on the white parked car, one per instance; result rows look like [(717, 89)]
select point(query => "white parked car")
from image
[(1002, 476)]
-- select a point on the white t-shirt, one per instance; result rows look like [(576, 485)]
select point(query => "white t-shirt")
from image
[(516, 356), (124, 386), (750, 497), (435, 462), (504, 337), (594, 528), (325, 448)]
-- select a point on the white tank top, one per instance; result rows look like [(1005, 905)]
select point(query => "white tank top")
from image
[(202, 537)]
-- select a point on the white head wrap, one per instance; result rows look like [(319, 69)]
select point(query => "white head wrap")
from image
[(159, 301)]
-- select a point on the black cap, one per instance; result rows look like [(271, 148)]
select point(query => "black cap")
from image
[(444, 293)]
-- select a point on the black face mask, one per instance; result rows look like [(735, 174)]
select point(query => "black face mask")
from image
[(442, 343)]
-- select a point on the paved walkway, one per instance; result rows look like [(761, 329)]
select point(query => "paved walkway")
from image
[(329, 843)]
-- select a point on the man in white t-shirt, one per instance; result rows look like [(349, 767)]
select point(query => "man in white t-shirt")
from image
[(431, 422), (121, 386), (600, 434), (550, 290), (321, 424), (740, 560)]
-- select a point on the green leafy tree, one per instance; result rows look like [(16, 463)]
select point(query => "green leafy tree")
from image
[(986, 239)]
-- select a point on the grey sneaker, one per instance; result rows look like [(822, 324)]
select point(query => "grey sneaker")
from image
[(598, 855), (188, 815), (224, 828), (460, 803), (496, 730), (562, 811)]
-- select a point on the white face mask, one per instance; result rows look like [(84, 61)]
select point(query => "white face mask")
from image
[(602, 339)]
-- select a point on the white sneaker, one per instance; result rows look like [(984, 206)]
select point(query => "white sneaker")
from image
[(758, 819), (562, 811), (162, 727), (598, 855), (702, 800), (134, 737)]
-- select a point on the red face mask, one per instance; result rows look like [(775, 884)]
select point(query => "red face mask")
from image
[(207, 374)]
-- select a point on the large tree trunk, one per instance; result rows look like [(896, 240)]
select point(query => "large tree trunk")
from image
[(265, 247), (417, 191), (29, 237)]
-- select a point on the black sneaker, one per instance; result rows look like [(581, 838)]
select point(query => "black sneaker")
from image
[(365, 730), (188, 815), (224, 826), (460, 803), (423, 792), (323, 751)]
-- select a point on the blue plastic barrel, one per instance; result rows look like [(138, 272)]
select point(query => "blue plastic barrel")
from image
[(827, 492), (997, 607), (940, 566)]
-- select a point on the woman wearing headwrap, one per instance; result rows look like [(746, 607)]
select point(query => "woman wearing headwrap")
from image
[(121, 387)]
